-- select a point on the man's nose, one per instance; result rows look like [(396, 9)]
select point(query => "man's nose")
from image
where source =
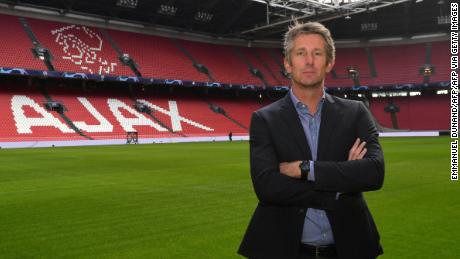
[(309, 59)]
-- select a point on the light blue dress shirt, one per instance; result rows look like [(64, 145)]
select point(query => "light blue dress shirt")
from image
[(316, 229)]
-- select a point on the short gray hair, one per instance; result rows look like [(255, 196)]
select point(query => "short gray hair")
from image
[(308, 28)]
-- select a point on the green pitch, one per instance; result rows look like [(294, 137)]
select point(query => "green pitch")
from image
[(195, 200)]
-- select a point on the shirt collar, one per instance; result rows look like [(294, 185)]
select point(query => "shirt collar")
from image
[(299, 105)]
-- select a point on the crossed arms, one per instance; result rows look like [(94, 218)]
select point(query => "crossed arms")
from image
[(277, 183)]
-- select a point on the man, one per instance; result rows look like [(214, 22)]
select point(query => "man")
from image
[(312, 155)]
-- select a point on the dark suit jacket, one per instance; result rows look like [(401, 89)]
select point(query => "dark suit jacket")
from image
[(276, 135)]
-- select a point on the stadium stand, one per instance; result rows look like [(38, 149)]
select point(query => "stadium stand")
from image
[(78, 48), (274, 62), (222, 61), (89, 111), (24, 117), (349, 58), (195, 116), (416, 112), (256, 63), (156, 56), (238, 109), (84, 49), (15, 51), (110, 112), (439, 54), (399, 65)]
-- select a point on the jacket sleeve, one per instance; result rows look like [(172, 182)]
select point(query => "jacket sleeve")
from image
[(358, 175), (270, 185)]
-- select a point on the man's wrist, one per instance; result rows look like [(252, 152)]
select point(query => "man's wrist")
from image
[(304, 170)]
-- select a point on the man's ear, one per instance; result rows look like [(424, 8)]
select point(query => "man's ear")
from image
[(287, 66), (329, 66)]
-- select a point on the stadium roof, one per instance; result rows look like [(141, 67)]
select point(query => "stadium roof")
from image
[(260, 19)]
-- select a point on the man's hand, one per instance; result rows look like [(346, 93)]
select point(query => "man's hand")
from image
[(357, 151), (291, 169)]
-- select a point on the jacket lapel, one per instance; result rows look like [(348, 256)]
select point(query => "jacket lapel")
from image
[(330, 116), (291, 118)]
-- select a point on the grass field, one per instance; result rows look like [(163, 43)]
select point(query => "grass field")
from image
[(195, 200)]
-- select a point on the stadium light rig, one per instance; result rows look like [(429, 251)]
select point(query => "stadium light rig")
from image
[(127, 3), (369, 26), (41, 53), (203, 16), (388, 94), (167, 10), (442, 92), (444, 19)]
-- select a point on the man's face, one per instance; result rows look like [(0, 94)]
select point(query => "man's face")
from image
[(308, 65)]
